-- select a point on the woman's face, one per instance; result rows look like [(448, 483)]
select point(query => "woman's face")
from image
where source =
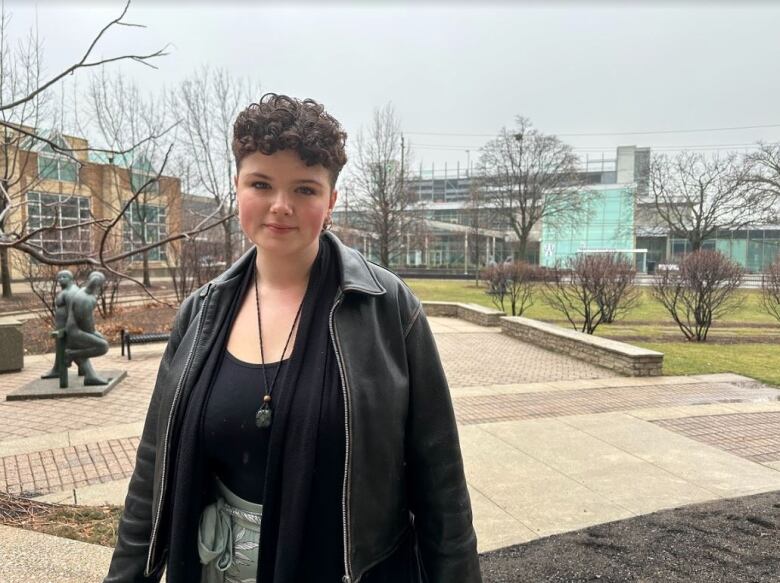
[(282, 202)]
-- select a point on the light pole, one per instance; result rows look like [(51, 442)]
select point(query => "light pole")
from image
[(519, 137)]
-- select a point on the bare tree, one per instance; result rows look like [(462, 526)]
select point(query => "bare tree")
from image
[(702, 290), (531, 176), (764, 176), (595, 289), (192, 265), (206, 105), (379, 177), (20, 75), (195, 263), (695, 194), (770, 289), (124, 118), (42, 281), (521, 282)]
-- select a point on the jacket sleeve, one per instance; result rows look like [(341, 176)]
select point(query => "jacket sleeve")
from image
[(438, 495), (129, 559)]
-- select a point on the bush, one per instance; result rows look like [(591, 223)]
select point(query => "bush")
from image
[(514, 281), (699, 292), (595, 289), (770, 289), (191, 263)]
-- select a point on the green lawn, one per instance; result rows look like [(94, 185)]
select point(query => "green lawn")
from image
[(650, 326), (648, 309), (759, 361)]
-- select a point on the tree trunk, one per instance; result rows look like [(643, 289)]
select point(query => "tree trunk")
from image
[(520, 248), (147, 279), (227, 228), (5, 273)]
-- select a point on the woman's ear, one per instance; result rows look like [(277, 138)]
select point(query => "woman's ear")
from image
[(333, 196)]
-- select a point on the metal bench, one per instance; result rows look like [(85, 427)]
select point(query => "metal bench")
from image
[(127, 339)]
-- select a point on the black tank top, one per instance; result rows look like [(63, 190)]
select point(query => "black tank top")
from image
[(236, 448)]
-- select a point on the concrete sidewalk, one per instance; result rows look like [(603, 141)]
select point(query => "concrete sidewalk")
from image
[(546, 453)]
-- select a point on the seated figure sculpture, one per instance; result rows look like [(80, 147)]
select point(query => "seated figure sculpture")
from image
[(82, 341), (61, 307)]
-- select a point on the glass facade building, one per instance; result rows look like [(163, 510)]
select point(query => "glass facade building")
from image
[(607, 224), (620, 218), (754, 248)]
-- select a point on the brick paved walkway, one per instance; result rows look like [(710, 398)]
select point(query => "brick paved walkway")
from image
[(514, 407), (476, 356), (753, 436), (463, 347), (53, 470), (126, 403)]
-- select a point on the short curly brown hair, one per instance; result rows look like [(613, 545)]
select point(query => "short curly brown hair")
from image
[(279, 122)]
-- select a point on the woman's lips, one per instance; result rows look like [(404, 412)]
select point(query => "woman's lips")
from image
[(280, 228)]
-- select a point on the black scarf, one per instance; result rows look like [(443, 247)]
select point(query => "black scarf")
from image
[(295, 433), (295, 441)]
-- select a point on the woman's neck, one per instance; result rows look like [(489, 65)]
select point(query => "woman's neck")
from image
[(287, 272)]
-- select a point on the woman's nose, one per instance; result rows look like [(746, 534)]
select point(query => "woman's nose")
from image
[(281, 203)]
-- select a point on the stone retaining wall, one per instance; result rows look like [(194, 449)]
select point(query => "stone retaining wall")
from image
[(618, 356), (470, 312)]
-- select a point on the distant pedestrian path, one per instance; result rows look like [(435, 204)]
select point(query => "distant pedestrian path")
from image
[(476, 356)]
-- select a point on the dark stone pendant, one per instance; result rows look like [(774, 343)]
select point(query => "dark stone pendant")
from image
[(264, 417)]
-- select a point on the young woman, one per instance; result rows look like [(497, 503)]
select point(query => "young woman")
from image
[(301, 428)]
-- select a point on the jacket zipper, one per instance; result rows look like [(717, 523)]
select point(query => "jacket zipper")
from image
[(190, 355), (347, 578)]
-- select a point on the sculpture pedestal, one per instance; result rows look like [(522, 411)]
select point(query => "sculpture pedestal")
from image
[(50, 388), (11, 346)]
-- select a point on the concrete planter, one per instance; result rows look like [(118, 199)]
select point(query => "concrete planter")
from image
[(11, 346)]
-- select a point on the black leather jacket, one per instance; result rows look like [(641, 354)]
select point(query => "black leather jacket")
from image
[(402, 452)]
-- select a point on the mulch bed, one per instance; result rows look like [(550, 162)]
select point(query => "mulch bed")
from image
[(711, 339), (92, 524), (734, 541), (135, 319)]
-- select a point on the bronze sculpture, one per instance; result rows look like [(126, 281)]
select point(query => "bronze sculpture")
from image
[(82, 341), (61, 306), (75, 325)]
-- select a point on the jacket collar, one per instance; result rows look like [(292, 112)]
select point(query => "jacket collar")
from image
[(355, 273)]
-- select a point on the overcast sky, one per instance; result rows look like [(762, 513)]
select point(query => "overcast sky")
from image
[(448, 68)]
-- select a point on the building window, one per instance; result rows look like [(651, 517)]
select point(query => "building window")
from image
[(141, 172), (59, 210), (145, 224), (138, 178), (52, 166)]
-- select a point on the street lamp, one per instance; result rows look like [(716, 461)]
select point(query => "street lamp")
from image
[(519, 137)]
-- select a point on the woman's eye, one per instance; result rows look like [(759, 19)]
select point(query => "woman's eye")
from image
[(306, 190), (260, 185)]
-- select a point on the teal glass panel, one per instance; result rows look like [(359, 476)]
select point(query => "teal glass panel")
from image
[(47, 168), (755, 255), (739, 251), (68, 171)]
